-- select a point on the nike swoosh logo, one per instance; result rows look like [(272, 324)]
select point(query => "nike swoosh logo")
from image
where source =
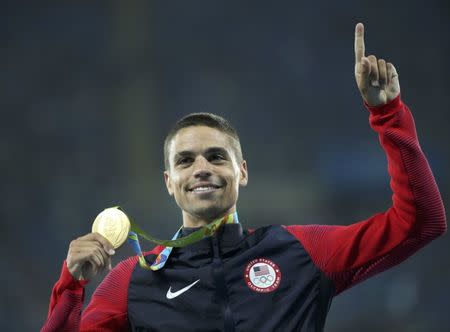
[(173, 295)]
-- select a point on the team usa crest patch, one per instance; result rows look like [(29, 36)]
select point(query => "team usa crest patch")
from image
[(262, 275)]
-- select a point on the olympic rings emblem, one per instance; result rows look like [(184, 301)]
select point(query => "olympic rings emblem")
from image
[(262, 275)]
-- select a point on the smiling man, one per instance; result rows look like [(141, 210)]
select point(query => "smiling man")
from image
[(204, 168), (275, 278)]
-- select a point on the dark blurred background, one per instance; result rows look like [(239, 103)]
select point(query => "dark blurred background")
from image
[(89, 90)]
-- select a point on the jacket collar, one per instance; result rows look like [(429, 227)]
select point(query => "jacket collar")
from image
[(228, 235)]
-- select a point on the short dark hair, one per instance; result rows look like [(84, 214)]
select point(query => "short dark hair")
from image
[(208, 120)]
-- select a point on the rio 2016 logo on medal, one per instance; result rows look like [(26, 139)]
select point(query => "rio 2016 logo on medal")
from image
[(262, 275)]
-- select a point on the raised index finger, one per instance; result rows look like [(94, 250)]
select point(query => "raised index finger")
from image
[(359, 42)]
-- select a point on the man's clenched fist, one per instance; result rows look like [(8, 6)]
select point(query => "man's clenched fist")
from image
[(89, 255)]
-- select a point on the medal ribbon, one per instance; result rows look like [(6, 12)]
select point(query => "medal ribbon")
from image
[(175, 242)]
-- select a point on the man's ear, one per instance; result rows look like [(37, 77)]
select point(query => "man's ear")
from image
[(168, 182), (243, 180)]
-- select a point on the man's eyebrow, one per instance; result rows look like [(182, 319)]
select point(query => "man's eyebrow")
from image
[(184, 153), (217, 149), (211, 150)]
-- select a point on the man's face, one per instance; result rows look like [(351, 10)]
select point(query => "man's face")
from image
[(204, 174)]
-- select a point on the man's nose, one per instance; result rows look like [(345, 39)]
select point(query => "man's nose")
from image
[(201, 168)]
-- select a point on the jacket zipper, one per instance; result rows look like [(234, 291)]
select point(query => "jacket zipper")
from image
[(219, 278)]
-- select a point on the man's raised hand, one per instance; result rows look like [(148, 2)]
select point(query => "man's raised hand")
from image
[(377, 80)]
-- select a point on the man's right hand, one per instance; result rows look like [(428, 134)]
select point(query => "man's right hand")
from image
[(88, 256)]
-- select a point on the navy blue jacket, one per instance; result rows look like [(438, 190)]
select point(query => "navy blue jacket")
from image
[(222, 300)]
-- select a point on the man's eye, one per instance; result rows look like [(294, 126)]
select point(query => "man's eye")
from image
[(184, 161), (217, 157)]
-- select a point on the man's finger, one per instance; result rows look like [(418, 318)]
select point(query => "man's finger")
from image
[(103, 241), (392, 76), (382, 71), (87, 254), (362, 74), (359, 42), (91, 246), (374, 76), (363, 68)]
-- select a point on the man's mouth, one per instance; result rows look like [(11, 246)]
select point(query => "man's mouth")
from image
[(204, 188)]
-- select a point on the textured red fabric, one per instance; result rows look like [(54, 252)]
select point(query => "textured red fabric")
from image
[(350, 254), (107, 310)]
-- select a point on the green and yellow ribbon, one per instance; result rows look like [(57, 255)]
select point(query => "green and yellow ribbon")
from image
[(175, 242)]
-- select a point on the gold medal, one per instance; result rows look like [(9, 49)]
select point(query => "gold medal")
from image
[(113, 224)]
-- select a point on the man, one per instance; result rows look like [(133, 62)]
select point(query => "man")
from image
[(276, 278)]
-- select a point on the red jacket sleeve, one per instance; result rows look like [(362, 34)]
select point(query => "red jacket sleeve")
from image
[(66, 303), (107, 310), (350, 254)]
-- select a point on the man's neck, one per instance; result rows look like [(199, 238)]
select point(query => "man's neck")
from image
[(193, 221)]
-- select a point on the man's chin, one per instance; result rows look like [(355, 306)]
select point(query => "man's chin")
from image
[(209, 213)]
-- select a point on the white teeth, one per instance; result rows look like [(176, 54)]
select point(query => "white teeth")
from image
[(203, 188)]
